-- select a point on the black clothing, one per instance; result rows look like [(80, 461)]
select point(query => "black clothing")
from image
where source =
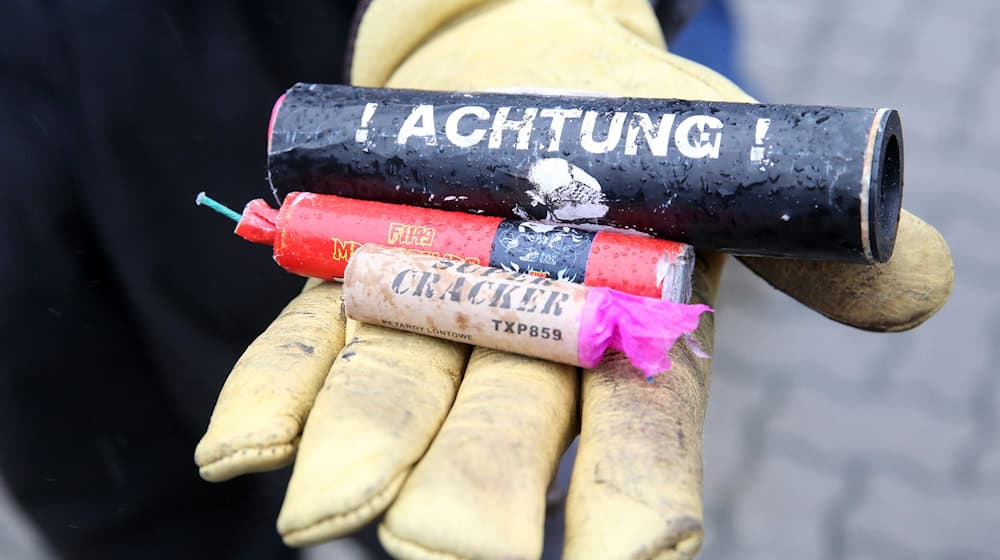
[(673, 14), (125, 305)]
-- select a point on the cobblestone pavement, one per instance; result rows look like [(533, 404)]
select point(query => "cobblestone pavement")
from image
[(822, 441), (825, 442)]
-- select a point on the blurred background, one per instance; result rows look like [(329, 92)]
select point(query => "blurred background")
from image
[(823, 441), (827, 442)]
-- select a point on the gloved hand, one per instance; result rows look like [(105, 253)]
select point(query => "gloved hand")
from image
[(456, 445)]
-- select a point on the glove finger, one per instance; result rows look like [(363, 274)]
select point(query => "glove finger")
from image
[(264, 402), (384, 399), (894, 296), (636, 485), (480, 490)]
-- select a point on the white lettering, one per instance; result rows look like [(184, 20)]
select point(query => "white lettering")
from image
[(610, 142), (696, 137), (658, 138), (757, 151), (361, 134), (420, 123), (709, 137), (523, 127), (472, 138), (559, 117)]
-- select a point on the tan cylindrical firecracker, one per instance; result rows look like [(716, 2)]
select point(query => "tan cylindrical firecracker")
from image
[(464, 302)]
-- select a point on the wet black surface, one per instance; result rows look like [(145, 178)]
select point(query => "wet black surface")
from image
[(774, 180)]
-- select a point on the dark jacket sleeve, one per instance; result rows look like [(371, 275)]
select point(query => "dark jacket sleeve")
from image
[(673, 14), (122, 305)]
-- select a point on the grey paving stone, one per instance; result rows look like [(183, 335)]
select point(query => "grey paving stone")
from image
[(733, 448), (988, 465), (987, 112), (770, 520), (764, 332), (967, 216), (991, 468), (341, 549), (890, 434), (864, 546), (944, 47), (953, 349), (877, 16), (932, 122), (890, 441), (928, 524), (952, 190), (734, 400)]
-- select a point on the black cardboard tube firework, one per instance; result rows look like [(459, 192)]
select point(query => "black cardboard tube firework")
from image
[(768, 180)]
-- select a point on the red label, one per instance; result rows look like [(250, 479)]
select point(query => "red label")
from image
[(318, 233), (629, 263)]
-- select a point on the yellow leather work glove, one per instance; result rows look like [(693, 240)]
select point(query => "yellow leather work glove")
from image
[(457, 446)]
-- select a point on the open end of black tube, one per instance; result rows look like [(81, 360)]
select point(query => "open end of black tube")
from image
[(886, 194)]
